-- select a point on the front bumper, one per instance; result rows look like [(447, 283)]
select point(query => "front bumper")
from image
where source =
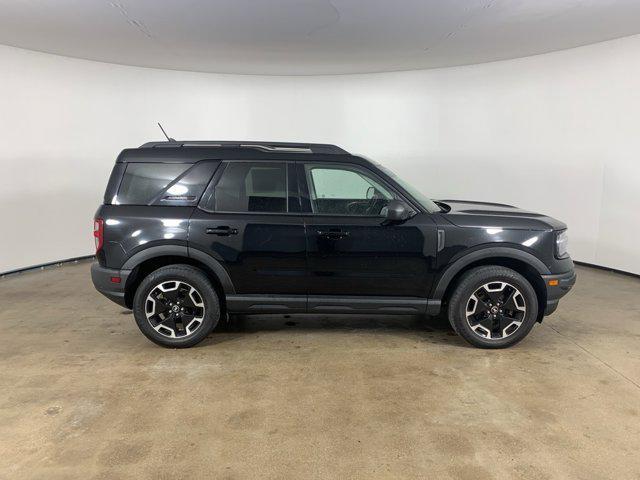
[(102, 280), (558, 285)]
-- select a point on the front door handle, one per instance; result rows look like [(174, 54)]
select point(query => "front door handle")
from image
[(333, 234), (222, 231)]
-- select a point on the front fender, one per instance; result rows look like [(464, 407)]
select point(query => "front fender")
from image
[(440, 286)]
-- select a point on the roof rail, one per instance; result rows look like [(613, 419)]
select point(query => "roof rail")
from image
[(275, 147)]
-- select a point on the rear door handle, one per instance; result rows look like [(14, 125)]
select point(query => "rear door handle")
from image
[(222, 231), (333, 234)]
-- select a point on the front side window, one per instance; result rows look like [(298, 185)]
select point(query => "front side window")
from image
[(345, 190), (251, 187)]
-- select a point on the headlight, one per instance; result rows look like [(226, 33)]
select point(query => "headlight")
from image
[(562, 244)]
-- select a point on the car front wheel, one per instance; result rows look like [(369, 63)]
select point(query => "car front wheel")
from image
[(493, 307)]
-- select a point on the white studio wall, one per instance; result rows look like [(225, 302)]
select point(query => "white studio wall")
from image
[(556, 133)]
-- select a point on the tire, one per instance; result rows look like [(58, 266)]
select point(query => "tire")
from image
[(176, 306), (493, 307)]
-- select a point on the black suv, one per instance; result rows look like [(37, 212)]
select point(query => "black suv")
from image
[(191, 232)]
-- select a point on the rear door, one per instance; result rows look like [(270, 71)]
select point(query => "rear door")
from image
[(350, 248), (249, 220)]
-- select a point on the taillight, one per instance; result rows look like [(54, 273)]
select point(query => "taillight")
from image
[(98, 233)]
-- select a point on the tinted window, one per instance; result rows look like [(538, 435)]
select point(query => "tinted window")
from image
[(187, 188), (142, 182), (345, 190), (114, 180), (251, 187)]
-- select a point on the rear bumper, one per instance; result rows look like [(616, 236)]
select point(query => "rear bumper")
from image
[(102, 280), (561, 284)]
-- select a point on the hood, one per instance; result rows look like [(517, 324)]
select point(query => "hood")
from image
[(465, 213)]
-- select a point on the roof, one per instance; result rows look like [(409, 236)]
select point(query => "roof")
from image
[(264, 146), (186, 151)]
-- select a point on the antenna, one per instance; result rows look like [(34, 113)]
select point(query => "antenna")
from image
[(169, 139)]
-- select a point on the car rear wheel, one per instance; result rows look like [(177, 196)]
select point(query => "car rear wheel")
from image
[(176, 306), (493, 307)]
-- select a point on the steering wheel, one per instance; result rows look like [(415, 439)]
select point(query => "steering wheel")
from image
[(369, 207), (376, 202), (355, 207), (372, 205)]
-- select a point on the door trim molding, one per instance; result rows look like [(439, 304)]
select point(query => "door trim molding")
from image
[(240, 303), (237, 303)]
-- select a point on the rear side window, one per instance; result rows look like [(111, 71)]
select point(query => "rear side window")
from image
[(251, 187), (142, 182)]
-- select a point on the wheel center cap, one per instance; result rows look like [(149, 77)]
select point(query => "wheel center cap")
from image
[(494, 310), (175, 308)]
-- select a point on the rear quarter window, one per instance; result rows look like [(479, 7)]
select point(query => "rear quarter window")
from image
[(142, 182)]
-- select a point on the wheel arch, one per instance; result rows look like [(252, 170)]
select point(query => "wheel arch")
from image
[(149, 260), (527, 265)]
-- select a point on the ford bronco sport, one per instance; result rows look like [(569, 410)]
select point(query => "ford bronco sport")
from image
[(190, 232)]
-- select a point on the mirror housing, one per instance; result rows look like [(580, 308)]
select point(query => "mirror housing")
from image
[(396, 211)]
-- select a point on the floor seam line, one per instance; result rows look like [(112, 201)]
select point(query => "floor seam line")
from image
[(595, 356)]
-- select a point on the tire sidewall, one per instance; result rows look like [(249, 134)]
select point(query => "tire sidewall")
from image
[(474, 280), (196, 279)]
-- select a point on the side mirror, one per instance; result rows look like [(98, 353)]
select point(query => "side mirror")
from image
[(396, 211)]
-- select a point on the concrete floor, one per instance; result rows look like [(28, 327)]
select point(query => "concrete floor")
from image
[(84, 395)]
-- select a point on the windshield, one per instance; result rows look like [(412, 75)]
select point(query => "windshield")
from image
[(428, 204)]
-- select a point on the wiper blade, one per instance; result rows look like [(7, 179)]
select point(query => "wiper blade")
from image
[(443, 206)]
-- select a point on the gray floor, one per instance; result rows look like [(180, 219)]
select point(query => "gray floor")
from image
[(84, 395)]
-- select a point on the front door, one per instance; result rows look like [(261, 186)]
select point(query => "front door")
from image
[(351, 249), (249, 220)]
